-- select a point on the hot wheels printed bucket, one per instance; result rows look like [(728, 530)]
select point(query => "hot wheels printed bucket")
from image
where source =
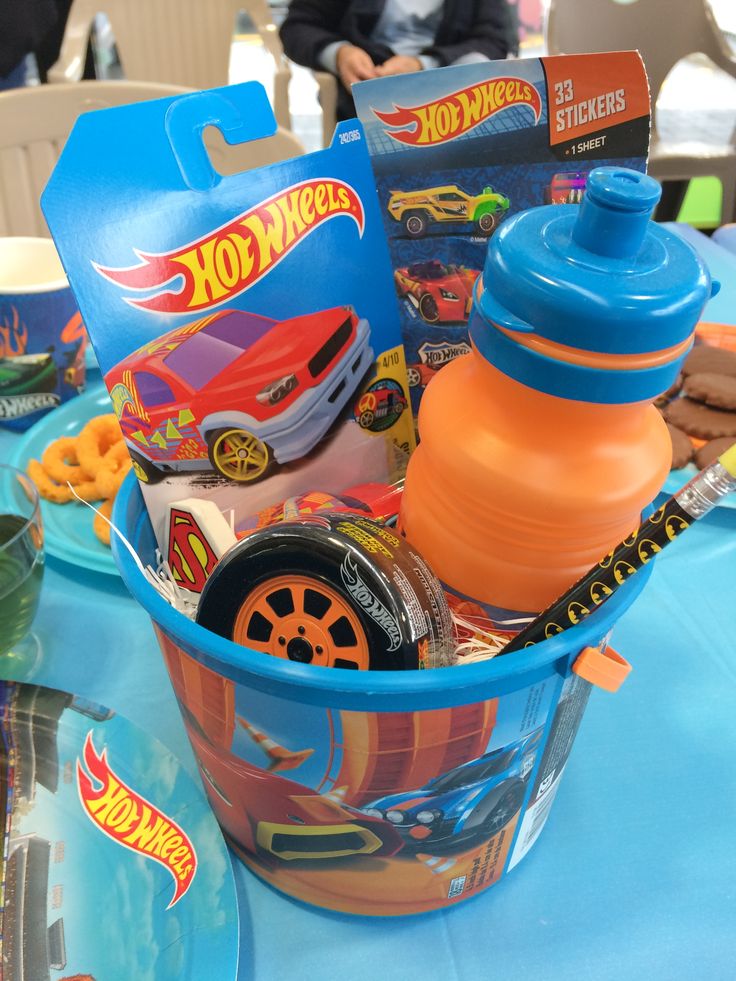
[(371, 792)]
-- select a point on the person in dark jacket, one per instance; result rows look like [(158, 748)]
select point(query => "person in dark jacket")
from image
[(361, 39), (33, 27), (23, 27)]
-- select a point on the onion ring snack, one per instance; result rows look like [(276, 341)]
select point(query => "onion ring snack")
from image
[(100, 527), (95, 439), (61, 463)]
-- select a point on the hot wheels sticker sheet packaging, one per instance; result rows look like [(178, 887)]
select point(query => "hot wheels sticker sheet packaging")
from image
[(457, 150), (246, 326)]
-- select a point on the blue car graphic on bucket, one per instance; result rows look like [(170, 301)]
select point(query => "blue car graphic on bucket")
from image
[(465, 806)]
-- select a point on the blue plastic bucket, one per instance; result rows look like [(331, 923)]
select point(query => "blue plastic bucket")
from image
[(376, 793)]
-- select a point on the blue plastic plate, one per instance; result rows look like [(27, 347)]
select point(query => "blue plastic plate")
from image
[(68, 530), (97, 899)]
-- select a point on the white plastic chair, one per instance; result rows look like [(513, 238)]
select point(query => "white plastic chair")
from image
[(665, 32), (35, 122), (327, 85), (177, 42)]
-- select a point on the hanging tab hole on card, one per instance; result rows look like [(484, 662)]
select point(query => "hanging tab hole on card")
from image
[(220, 132), (604, 668)]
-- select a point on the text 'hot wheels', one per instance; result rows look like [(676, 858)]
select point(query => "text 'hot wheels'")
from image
[(229, 260), (455, 114), (132, 821)]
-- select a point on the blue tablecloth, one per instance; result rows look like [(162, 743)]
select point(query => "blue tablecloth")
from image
[(634, 875)]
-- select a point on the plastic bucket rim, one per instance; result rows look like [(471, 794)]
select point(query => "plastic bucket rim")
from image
[(243, 660)]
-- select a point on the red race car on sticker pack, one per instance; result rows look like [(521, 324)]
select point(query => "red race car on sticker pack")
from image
[(567, 188), (236, 391), (441, 293)]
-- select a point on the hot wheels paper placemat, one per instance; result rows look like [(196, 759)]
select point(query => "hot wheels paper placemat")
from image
[(112, 863), (246, 326), (457, 150)]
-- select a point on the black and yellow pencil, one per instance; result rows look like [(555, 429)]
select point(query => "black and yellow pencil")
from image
[(690, 503)]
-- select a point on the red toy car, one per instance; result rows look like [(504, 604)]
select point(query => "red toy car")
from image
[(567, 188), (235, 391), (441, 294), (420, 375), (379, 501), (279, 820), (379, 406)]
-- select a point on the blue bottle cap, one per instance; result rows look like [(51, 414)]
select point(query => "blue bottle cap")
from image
[(599, 276)]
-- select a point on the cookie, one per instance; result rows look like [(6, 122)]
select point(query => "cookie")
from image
[(715, 390), (682, 448), (712, 450), (699, 420), (703, 357)]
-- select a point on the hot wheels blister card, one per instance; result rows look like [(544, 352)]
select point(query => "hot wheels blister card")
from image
[(246, 326)]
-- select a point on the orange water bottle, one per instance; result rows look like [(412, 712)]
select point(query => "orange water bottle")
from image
[(541, 447)]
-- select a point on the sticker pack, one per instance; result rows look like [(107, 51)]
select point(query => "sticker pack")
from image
[(458, 150), (246, 326)]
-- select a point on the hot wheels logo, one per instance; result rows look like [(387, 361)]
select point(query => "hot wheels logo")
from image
[(229, 260), (17, 406), (435, 355), (458, 113), (365, 598), (132, 821)]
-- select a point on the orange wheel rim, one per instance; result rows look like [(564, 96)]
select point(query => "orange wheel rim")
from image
[(302, 619)]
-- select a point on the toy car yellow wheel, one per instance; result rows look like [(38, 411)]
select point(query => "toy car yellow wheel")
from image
[(239, 455), (366, 419), (415, 224), (486, 223), (332, 590), (428, 308), (144, 470)]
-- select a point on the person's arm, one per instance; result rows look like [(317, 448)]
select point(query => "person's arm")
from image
[(311, 36), (310, 26), (401, 65), (489, 35)]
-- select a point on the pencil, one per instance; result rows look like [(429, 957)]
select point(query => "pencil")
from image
[(691, 502)]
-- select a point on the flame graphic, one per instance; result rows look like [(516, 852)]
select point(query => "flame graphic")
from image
[(229, 260), (73, 330), (13, 335), (132, 821)]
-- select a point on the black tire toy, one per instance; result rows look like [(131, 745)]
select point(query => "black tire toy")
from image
[(332, 589)]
